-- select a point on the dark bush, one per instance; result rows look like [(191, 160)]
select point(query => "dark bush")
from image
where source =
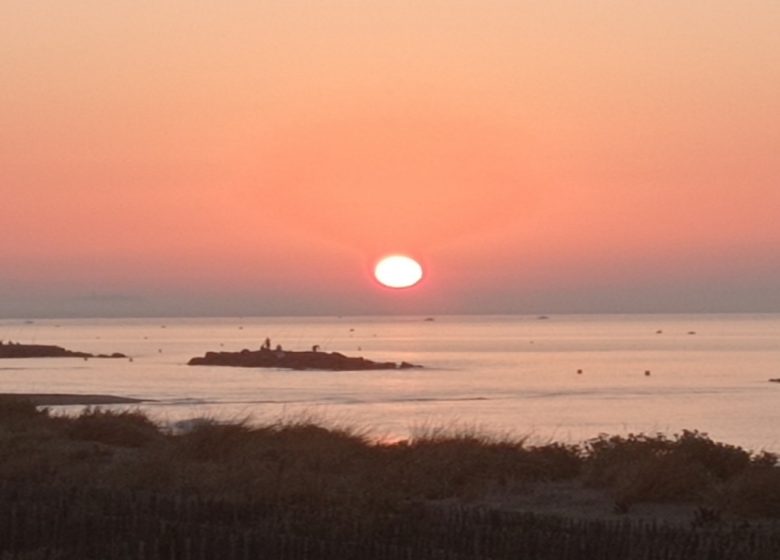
[(656, 468), (127, 428), (557, 461), (20, 413), (719, 459), (214, 441), (754, 493), (469, 464)]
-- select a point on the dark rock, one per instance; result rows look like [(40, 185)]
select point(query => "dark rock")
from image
[(407, 365), (114, 355), (14, 350), (333, 361)]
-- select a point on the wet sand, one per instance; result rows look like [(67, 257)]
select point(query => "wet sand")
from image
[(62, 399)]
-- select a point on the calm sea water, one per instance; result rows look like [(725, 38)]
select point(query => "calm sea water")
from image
[(500, 374)]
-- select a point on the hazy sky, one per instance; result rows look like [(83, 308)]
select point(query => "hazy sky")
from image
[(253, 157)]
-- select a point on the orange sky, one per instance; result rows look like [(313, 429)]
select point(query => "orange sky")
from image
[(192, 157)]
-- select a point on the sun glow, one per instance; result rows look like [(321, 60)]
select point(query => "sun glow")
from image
[(398, 271)]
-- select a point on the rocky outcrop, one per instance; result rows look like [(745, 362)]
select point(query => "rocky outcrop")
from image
[(14, 350), (333, 361)]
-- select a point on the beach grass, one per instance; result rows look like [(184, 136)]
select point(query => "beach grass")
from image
[(343, 482)]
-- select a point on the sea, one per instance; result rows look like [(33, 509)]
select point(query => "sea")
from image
[(565, 378)]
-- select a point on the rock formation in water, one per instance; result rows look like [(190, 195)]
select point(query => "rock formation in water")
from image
[(16, 350), (265, 357)]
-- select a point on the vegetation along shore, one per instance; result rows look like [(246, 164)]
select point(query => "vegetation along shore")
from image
[(113, 484)]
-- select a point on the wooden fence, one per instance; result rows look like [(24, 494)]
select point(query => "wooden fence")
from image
[(52, 523)]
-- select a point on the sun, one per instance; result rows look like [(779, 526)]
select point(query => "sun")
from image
[(398, 271)]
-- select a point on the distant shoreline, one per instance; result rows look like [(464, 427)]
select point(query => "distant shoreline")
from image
[(64, 399)]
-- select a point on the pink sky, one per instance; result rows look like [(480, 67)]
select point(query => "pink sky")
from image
[(192, 157)]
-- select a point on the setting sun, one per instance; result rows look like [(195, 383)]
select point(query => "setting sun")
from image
[(398, 271)]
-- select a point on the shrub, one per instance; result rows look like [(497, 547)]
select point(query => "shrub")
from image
[(558, 461), (656, 468), (127, 428), (18, 407), (209, 440), (719, 459), (18, 413), (754, 493), (438, 465), (325, 449)]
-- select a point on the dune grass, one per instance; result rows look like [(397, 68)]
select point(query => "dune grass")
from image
[(298, 466), (298, 459)]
